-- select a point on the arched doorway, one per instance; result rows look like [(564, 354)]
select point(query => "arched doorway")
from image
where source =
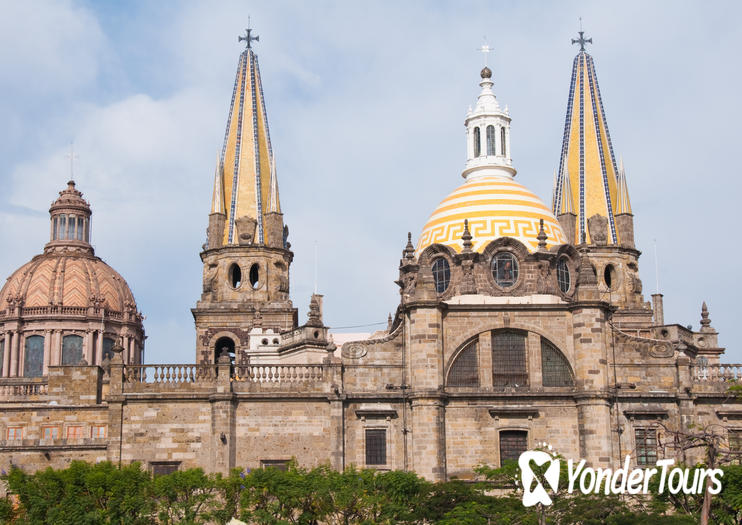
[(224, 346)]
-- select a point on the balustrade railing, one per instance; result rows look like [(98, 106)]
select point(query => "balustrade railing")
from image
[(279, 373), (718, 373), (170, 374), (15, 388)]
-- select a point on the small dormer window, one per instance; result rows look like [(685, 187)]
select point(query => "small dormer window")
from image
[(491, 140), (505, 269), (441, 274), (477, 143), (503, 149)]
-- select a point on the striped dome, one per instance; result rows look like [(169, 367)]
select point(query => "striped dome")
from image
[(495, 207)]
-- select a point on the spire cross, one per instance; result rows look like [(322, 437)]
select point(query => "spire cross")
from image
[(72, 156), (248, 36), (485, 50), (582, 40)]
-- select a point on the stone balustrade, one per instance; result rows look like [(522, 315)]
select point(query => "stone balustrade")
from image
[(279, 373), (169, 374), (721, 373), (22, 388)]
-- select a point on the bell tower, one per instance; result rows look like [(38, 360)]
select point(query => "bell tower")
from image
[(247, 255)]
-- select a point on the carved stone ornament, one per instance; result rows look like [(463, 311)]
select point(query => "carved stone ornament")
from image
[(245, 230), (597, 225), (354, 351), (661, 350)]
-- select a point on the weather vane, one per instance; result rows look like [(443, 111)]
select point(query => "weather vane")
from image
[(248, 36), (582, 40), (485, 50)]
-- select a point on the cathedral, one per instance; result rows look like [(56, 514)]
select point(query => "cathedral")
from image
[(519, 323)]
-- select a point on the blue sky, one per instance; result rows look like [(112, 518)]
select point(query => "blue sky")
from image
[(366, 103)]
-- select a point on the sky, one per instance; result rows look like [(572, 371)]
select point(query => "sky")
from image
[(366, 103)]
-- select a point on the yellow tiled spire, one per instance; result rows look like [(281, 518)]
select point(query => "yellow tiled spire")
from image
[(623, 205), (587, 161), (217, 200), (247, 166)]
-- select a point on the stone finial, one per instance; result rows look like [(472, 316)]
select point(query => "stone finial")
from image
[(586, 275), (315, 313), (389, 323), (466, 237), (705, 320), (541, 236), (409, 249)]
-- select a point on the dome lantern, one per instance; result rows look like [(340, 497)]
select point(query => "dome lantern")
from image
[(70, 222)]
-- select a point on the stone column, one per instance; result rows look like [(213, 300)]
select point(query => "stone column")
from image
[(593, 399), (127, 350), (13, 336), (6, 354), (98, 356), (485, 360), (47, 351), (426, 383), (337, 417), (223, 444), (87, 344), (116, 405)]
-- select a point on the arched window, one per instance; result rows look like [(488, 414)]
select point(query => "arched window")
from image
[(555, 368), (62, 227), (509, 359), (505, 269), (503, 148), (465, 369), (441, 274), (563, 275), (490, 140), (477, 143), (54, 229), (71, 223), (71, 350), (224, 346), (33, 360), (107, 349)]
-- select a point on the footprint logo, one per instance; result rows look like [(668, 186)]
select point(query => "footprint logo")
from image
[(538, 494)]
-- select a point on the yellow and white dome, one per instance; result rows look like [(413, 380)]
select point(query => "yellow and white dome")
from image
[(495, 207)]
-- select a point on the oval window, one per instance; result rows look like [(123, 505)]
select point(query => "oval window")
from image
[(254, 275), (609, 276), (505, 269), (441, 274), (235, 275), (563, 275)]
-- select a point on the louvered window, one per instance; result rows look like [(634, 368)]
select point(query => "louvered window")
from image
[(465, 369), (509, 359), (555, 369), (477, 143), (512, 444), (375, 446), (490, 140)]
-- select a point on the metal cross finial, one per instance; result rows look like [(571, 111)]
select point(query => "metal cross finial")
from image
[(248, 36), (582, 40), (72, 156), (486, 50)]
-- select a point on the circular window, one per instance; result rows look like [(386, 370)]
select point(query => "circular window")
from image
[(254, 275), (505, 269), (609, 276), (441, 274), (563, 275), (235, 276)]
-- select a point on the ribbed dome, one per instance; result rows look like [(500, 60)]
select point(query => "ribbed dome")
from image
[(495, 207), (67, 280)]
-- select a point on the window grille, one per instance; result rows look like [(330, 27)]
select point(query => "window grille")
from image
[(163, 468), (278, 464), (555, 369), (477, 143), (505, 269), (735, 441), (563, 275), (490, 140), (465, 369), (33, 363), (441, 274), (646, 446), (512, 444), (509, 359), (375, 446), (71, 350), (502, 142)]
